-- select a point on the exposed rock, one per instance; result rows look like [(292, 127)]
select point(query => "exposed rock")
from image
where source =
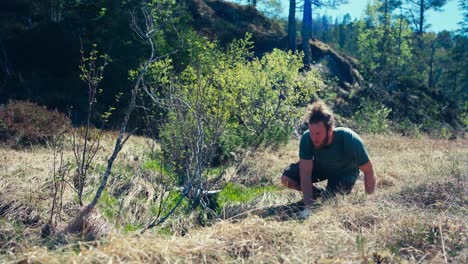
[(340, 65)]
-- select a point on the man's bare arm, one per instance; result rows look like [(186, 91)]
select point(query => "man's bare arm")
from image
[(369, 177), (305, 169)]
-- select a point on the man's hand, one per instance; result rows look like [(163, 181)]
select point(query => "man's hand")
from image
[(304, 214), (369, 177)]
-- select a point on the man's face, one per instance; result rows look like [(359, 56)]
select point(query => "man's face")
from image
[(318, 134)]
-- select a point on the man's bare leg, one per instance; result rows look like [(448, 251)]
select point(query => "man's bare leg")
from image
[(290, 183)]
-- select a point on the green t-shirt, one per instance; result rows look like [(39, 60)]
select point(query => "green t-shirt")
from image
[(340, 159)]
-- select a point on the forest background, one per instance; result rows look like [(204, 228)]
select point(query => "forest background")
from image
[(419, 75)]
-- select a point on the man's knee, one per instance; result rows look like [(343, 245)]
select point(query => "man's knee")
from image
[(284, 180), (290, 183)]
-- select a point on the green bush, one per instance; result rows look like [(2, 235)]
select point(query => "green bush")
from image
[(226, 101), (409, 129), (372, 117), (26, 123)]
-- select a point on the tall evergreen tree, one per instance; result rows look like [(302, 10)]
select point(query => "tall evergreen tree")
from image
[(307, 23), (417, 11), (325, 33), (345, 33), (383, 45), (386, 8), (306, 31), (292, 42), (463, 6)]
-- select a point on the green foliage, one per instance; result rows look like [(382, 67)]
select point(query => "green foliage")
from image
[(361, 246), (164, 171), (169, 203), (131, 228), (92, 67), (445, 132), (269, 95), (24, 123), (11, 230), (225, 100), (154, 165), (408, 128), (48, 49), (236, 193), (384, 49), (109, 206), (372, 117), (464, 117), (451, 60), (420, 75)]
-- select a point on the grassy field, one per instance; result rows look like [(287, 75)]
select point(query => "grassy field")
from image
[(417, 215)]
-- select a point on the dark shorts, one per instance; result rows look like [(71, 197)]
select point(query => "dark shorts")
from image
[(335, 185)]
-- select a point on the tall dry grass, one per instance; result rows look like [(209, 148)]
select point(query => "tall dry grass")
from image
[(417, 215)]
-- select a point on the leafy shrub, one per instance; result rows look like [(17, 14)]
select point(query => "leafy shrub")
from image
[(464, 117), (25, 123), (372, 117), (409, 129), (226, 101)]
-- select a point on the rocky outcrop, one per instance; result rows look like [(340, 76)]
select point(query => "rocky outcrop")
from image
[(340, 65)]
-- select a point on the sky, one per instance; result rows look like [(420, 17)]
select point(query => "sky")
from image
[(446, 20)]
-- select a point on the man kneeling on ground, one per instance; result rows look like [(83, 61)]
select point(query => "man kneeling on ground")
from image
[(328, 153)]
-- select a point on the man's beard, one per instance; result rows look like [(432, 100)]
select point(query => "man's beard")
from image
[(323, 144)]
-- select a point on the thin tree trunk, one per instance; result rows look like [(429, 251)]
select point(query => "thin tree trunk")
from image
[(430, 81), (4, 59), (421, 18), (292, 42), (421, 25), (76, 225), (384, 48), (306, 29)]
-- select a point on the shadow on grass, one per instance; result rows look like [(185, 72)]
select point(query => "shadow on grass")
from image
[(282, 213), (292, 211), (285, 212)]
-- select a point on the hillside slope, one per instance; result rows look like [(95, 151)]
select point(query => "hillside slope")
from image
[(225, 21), (409, 101)]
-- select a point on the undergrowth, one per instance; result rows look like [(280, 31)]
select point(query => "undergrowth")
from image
[(416, 215), (236, 193)]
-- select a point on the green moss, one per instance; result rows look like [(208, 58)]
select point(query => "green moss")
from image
[(239, 193)]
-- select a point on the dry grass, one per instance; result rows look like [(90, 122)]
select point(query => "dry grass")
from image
[(418, 213)]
